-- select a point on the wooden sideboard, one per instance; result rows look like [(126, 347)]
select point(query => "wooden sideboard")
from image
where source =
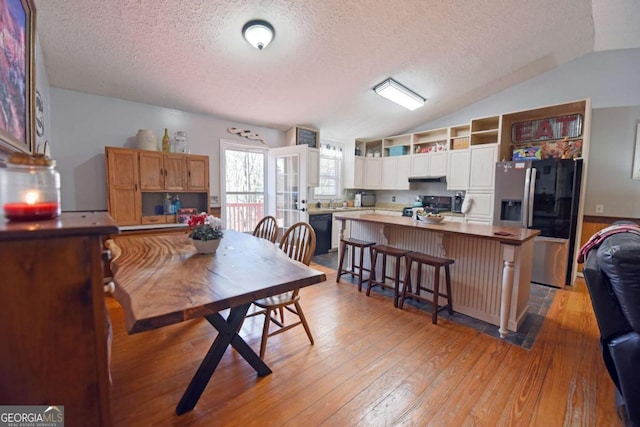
[(54, 321)]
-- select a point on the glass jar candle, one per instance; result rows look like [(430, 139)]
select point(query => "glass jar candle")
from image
[(30, 192)]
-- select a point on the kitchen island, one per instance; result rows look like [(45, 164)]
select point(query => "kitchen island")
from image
[(491, 274)]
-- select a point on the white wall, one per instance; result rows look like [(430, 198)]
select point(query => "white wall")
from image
[(83, 124), (612, 80)]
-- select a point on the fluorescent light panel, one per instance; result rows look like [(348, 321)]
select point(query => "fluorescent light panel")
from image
[(394, 91)]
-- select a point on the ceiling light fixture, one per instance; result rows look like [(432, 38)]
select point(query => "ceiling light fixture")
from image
[(258, 33), (394, 91)]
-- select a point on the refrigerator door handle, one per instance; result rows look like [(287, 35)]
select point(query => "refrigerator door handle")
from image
[(532, 192), (527, 187)]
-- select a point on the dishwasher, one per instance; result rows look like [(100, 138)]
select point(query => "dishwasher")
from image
[(321, 224)]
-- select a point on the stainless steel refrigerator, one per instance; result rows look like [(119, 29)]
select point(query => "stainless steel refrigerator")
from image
[(544, 195)]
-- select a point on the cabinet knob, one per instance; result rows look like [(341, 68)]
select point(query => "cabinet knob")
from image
[(303, 210), (110, 287)]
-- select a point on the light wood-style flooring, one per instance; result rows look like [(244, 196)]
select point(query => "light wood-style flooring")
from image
[(371, 365)]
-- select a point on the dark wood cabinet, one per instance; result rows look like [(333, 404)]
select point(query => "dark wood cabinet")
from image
[(54, 321)]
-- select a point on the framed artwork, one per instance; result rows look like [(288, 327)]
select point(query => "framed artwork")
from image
[(636, 157), (17, 85)]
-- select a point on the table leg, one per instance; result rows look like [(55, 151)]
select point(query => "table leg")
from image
[(508, 253), (227, 334)]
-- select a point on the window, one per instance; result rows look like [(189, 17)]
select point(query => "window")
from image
[(330, 172)]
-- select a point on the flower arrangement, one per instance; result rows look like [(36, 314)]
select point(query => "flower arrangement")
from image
[(205, 227)]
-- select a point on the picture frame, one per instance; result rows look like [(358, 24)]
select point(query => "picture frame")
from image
[(635, 174), (17, 72)]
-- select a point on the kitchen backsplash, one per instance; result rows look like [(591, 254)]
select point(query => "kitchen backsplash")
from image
[(406, 197)]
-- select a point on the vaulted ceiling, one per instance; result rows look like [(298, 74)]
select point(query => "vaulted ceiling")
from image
[(326, 56)]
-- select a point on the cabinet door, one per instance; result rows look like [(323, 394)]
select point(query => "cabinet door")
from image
[(175, 169), (198, 173), (458, 170), (358, 172), (372, 173), (482, 167), (403, 167), (389, 171), (420, 165), (123, 194), (151, 171), (482, 206), (438, 163)]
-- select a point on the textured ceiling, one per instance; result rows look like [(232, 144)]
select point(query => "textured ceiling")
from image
[(326, 56)]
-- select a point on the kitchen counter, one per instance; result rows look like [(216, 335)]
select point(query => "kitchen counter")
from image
[(491, 274)]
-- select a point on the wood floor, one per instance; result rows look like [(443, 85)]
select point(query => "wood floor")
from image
[(371, 365)]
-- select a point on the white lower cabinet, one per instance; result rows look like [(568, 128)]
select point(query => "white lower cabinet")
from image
[(481, 210)]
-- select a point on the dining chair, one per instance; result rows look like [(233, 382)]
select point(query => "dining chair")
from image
[(299, 243), (267, 228)]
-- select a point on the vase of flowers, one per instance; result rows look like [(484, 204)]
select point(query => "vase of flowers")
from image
[(206, 232)]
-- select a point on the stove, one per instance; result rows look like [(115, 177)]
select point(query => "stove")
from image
[(431, 204)]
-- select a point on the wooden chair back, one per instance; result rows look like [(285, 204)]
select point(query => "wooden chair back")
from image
[(267, 228), (299, 242)]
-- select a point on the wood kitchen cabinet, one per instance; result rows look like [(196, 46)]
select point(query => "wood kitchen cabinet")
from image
[(123, 188), (55, 327), (197, 173), (137, 178), (162, 171)]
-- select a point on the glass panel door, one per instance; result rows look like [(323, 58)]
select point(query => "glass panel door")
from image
[(244, 189), (287, 190), (288, 184)]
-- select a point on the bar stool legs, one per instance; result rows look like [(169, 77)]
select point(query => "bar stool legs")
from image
[(354, 243), (436, 263), (385, 251)]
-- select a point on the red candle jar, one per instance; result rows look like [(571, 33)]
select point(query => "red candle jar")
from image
[(30, 192)]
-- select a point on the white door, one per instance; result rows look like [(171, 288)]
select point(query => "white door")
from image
[(288, 185)]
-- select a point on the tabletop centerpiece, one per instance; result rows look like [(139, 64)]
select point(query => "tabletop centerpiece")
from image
[(206, 232)]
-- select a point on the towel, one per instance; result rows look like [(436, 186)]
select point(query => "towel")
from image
[(466, 203)]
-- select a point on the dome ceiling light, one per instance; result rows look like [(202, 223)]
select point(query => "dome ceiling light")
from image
[(258, 33)]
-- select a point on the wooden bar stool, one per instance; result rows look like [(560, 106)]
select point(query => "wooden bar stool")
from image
[(436, 263), (385, 251), (354, 243)]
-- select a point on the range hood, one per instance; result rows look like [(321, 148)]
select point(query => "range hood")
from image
[(428, 179)]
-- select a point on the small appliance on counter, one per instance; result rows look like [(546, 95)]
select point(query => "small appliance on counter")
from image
[(458, 199), (364, 200)]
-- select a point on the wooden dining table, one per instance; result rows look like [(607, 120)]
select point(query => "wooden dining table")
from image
[(161, 280)]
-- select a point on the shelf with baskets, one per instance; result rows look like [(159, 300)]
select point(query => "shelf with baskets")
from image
[(459, 137), (396, 146)]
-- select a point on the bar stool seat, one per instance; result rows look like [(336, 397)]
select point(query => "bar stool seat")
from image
[(437, 263), (385, 251), (354, 243)]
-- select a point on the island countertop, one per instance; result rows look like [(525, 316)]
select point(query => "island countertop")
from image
[(491, 272), (508, 235)]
